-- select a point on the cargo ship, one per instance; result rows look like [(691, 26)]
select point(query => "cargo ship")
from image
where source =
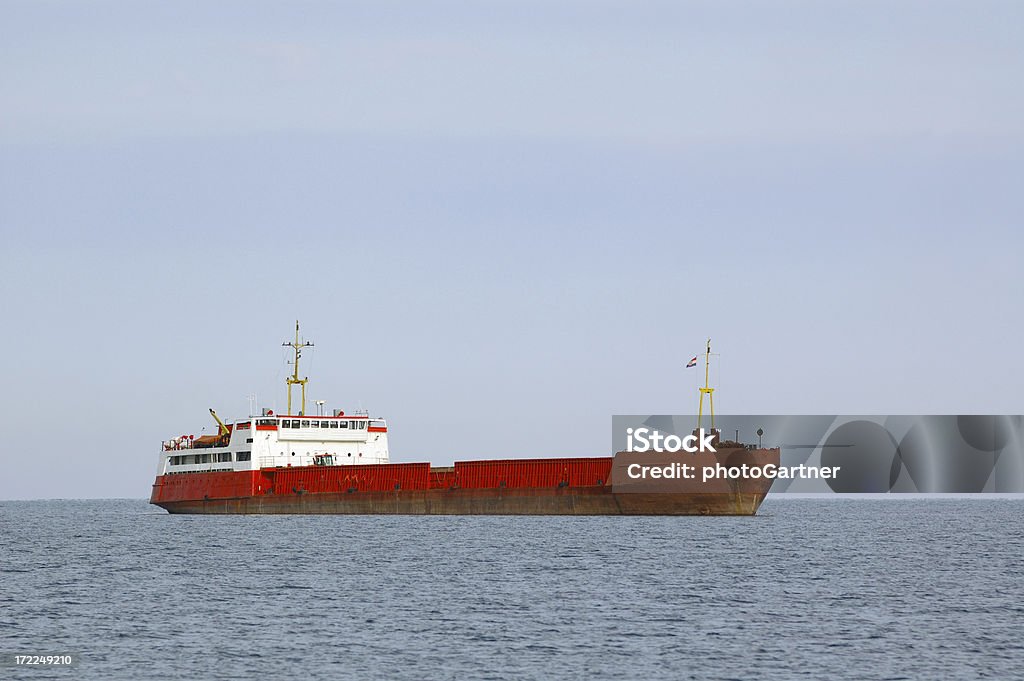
[(340, 464)]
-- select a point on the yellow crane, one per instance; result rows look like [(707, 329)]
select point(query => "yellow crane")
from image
[(223, 432), (218, 440)]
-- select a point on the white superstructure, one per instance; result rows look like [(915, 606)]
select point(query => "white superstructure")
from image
[(281, 441), (276, 441)]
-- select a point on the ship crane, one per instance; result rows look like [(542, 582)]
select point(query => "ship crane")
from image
[(220, 424), (218, 440)]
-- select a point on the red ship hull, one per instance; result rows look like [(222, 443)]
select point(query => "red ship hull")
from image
[(507, 487)]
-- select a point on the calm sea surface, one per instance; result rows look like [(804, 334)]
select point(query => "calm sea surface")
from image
[(859, 589)]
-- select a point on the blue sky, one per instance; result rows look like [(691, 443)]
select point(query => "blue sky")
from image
[(500, 222)]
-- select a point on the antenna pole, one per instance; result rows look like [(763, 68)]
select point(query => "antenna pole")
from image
[(294, 378), (707, 390)]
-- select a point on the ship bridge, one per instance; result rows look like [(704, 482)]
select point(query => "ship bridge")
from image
[(281, 440)]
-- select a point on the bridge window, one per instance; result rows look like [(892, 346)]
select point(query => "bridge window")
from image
[(343, 424), (286, 423), (305, 424), (334, 424), (244, 456), (295, 424), (314, 424), (223, 456)]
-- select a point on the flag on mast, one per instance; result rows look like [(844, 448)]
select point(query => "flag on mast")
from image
[(692, 362)]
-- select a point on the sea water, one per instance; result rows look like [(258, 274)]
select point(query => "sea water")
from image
[(813, 588)]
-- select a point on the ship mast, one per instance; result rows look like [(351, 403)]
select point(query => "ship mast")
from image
[(707, 390), (294, 378)]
